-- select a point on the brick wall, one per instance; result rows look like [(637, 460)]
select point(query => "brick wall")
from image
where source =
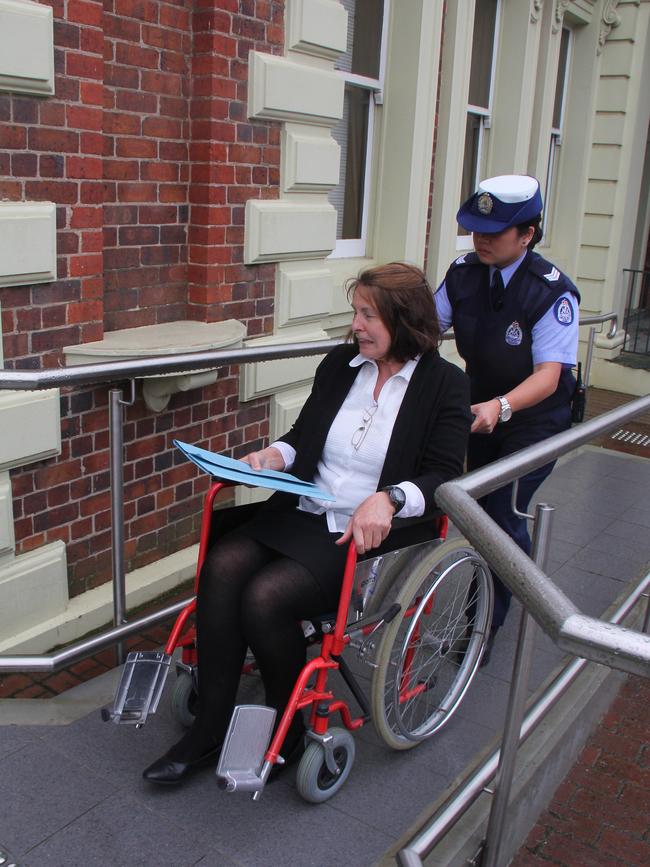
[(147, 152)]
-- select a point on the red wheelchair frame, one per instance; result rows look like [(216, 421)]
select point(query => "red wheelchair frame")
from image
[(333, 642)]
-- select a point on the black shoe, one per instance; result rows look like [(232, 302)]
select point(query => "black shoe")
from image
[(167, 772), (485, 659)]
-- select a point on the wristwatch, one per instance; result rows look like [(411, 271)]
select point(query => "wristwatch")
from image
[(506, 410), (397, 497)]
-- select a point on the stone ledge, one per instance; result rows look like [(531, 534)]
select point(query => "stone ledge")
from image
[(168, 338)]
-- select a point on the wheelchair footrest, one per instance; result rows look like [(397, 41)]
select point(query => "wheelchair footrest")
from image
[(140, 687), (246, 743)]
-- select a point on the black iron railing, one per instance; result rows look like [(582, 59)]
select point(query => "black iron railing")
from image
[(636, 321)]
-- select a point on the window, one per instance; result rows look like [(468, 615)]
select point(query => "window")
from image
[(480, 94), (362, 67), (557, 124)]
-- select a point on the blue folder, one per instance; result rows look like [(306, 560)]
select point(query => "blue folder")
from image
[(223, 467)]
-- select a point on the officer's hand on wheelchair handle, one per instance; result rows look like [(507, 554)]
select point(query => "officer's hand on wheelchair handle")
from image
[(486, 416), (370, 523)]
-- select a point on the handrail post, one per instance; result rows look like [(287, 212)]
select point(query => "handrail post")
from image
[(516, 702), (116, 435), (588, 359)]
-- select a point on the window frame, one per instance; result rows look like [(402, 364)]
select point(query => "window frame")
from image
[(555, 142), (464, 242), (348, 248)]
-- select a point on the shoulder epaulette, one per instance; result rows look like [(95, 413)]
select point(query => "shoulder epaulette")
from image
[(551, 277), (546, 270), (465, 259)]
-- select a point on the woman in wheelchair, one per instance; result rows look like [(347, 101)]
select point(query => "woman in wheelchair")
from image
[(386, 422)]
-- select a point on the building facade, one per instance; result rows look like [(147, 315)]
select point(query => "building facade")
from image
[(183, 175)]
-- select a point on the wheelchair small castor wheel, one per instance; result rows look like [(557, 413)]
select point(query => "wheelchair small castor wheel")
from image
[(184, 699), (314, 781)]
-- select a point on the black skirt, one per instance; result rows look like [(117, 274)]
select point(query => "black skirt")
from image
[(306, 538), (303, 537)]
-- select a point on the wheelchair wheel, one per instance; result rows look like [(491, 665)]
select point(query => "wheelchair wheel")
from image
[(429, 654), (314, 781), (184, 698)]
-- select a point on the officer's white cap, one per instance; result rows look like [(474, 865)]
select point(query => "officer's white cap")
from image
[(510, 189)]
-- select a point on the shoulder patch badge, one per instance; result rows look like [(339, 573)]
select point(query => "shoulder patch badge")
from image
[(552, 275), (460, 260), (563, 311), (514, 334)]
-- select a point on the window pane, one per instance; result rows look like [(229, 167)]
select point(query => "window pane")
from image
[(470, 160), (364, 37), (351, 132), (485, 18), (561, 78)]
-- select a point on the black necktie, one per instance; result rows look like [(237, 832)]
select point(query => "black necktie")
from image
[(497, 290)]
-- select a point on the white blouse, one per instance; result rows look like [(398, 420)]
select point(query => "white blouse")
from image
[(356, 446)]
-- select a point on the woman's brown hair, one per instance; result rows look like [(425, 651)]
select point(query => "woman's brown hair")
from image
[(404, 301)]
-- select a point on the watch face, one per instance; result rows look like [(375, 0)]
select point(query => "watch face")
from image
[(397, 497), (506, 414)]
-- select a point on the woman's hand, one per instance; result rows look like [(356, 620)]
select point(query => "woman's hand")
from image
[(266, 459), (486, 416), (370, 523)]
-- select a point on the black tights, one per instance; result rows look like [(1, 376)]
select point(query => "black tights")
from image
[(249, 596)]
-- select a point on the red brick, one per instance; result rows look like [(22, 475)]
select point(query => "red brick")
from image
[(84, 118), (141, 102), (144, 10), (85, 12), (13, 137), (626, 846), (136, 192), (173, 193), (86, 264), (12, 683), (137, 147), (91, 93), (83, 167), (135, 55), (160, 82), (85, 218), (85, 311), (159, 171), (91, 41), (61, 141), (161, 127), (83, 66), (52, 114)]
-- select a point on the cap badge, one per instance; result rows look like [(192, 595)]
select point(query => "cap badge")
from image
[(485, 204)]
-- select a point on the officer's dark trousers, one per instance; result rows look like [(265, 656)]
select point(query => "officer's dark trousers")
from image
[(504, 440)]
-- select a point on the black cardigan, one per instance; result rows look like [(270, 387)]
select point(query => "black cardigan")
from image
[(429, 438)]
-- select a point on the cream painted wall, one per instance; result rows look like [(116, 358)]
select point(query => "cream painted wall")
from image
[(298, 231), (600, 169)]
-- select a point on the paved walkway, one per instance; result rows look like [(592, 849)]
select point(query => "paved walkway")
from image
[(72, 794), (599, 816)]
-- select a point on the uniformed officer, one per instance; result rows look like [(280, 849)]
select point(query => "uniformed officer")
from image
[(515, 320)]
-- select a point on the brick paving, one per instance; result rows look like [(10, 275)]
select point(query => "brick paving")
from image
[(600, 814)]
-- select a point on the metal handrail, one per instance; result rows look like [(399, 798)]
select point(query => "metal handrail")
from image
[(118, 371), (557, 615)]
